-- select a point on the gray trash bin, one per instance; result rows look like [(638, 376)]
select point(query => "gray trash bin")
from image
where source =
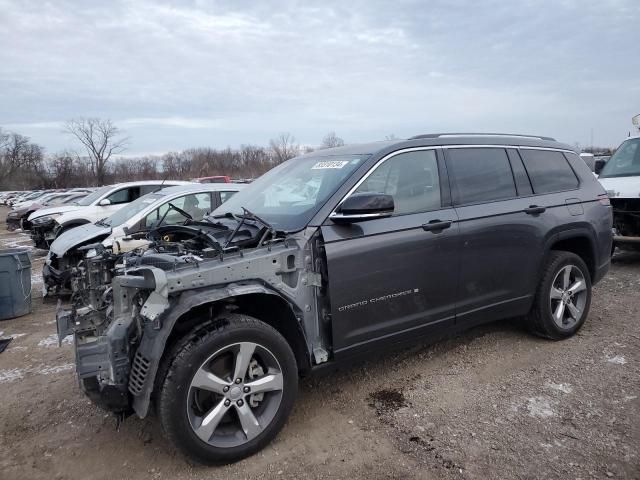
[(15, 282)]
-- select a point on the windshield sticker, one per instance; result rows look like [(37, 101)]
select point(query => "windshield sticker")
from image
[(330, 164)]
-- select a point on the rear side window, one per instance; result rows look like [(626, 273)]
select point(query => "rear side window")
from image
[(548, 171), (480, 175)]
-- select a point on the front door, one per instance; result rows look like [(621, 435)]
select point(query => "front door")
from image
[(395, 277)]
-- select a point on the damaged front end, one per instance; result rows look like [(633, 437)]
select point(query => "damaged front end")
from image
[(626, 222), (124, 306), (102, 342)]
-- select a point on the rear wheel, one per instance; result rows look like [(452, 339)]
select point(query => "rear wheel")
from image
[(563, 297), (228, 390)]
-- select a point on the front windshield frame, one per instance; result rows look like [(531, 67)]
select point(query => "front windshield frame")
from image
[(290, 195), (94, 196), (140, 204), (614, 168)]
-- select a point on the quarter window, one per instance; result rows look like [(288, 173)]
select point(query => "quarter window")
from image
[(224, 196), (549, 171), (411, 178), (480, 175)]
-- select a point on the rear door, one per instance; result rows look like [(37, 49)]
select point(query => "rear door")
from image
[(502, 238), (396, 277)]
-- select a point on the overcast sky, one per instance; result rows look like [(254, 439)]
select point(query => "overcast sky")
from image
[(206, 73)]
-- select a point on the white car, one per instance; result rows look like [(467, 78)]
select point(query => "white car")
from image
[(620, 177), (46, 223), (170, 206)]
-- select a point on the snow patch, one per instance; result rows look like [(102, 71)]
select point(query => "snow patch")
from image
[(617, 360), (560, 387), (540, 407), (12, 335), (36, 277), (52, 341), (55, 369), (12, 374)]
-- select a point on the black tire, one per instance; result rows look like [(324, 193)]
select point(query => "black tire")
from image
[(188, 356), (540, 319)]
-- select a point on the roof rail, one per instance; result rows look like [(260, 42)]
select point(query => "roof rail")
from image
[(445, 135)]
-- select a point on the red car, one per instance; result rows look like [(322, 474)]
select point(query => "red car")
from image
[(213, 179)]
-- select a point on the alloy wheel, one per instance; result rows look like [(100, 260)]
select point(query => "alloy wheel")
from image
[(235, 394), (568, 296)]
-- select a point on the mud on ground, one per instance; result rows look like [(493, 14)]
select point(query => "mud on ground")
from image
[(492, 403)]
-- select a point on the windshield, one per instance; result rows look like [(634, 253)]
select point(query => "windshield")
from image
[(92, 197), (625, 162), (50, 198), (289, 195), (124, 214), (33, 195), (72, 199)]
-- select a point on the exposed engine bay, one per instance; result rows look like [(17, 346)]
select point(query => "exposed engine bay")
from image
[(123, 299)]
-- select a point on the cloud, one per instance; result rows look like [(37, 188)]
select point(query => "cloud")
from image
[(185, 73)]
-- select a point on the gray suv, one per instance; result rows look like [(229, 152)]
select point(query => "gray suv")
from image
[(329, 257)]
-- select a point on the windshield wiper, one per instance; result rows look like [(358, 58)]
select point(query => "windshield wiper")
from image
[(248, 215), (103, 222)]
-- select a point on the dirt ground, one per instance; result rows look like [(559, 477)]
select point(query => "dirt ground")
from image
[(492, 403)]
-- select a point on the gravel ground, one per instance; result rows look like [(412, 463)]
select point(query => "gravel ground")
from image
[(492, 403)]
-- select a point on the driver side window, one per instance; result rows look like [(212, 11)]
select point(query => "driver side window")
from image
[(411, 178), (197, 205), (124, 195)]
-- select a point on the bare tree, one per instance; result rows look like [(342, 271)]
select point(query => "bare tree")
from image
[(391, 136), (284, 147), (21, 161), (331, 140), (101, 139)]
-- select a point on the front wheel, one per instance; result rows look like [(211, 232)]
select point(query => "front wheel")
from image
[(563, 297), (228, 389)]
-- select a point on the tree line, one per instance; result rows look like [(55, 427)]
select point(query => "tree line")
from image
[(24, 165)]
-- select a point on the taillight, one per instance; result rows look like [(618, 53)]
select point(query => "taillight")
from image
[(604, 200)]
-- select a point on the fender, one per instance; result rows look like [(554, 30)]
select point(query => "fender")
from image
[(76, 222), (584, 230), (149, 354)]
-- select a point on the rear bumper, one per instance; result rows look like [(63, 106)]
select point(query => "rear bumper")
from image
[(601, 271), (621, 239)]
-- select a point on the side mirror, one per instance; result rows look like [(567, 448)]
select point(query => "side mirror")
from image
[(104, 202), (363, 206)]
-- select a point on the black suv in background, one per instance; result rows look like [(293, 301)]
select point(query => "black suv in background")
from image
[(330, 256)]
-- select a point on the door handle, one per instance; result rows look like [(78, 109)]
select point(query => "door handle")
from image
[(534, 210), (436, 225)]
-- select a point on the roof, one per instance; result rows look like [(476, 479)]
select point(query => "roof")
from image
[(441, 139), (202, 187), (149, 182)]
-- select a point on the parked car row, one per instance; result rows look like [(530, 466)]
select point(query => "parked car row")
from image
[(211, 314), (126, 229), (18, 216)]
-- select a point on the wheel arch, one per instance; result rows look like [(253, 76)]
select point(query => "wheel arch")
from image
[(194, 308), (579, 241), (76, 222)]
